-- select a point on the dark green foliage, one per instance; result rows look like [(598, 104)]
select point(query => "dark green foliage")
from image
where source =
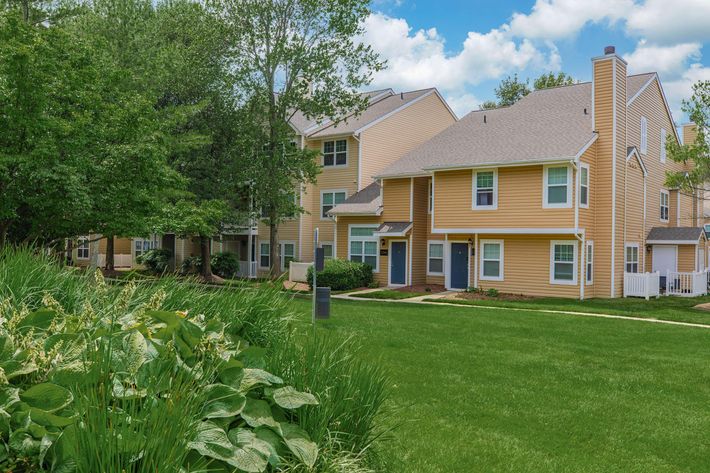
[(342, 275), (548, 80), (225, 265), (191, 265), (156, 260), (492, 292)]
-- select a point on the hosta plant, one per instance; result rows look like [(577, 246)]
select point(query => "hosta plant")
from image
[(125, 387)]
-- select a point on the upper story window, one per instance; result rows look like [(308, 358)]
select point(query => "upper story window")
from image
[(644, 136), (663, 145), (485, 190), (82, 248), (584, 185), (335, 153), (557, 192), (665, 205), (328, 200)]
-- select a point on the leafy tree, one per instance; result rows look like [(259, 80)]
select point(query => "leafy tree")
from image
[(292, 55), (510, 90), (488, 105), (697, 152), (551, 79)]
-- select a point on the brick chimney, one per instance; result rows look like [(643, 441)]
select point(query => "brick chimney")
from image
[(609, 121)]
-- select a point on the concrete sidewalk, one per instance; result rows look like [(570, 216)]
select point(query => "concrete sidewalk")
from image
[(444, 295)]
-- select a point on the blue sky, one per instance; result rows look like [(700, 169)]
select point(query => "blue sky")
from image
[(465, 47)]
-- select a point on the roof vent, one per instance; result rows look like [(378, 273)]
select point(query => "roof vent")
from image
[(585, 111), (610, 50), (401, 95), (484, 119)]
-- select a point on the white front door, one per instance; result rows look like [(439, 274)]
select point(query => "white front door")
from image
[(665, 258)]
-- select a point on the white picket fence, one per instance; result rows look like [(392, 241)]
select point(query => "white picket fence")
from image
[(686, 284), (645, 285), (247, 270), (119, 260)]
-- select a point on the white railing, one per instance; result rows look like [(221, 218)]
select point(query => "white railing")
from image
[(247, 270), (645, 285), (686, 284), (119, 260)]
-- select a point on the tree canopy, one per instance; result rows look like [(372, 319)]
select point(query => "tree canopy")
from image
[(511, 88)]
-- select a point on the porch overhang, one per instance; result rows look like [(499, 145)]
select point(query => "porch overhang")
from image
[(393, 229), (675, 236)]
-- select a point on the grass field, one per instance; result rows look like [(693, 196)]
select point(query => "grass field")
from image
[(479, 390), (664, 308)]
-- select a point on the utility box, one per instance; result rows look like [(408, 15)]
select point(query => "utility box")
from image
[(320, 259), (322, 303)]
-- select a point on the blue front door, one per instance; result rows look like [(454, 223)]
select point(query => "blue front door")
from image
[(398, 263), (459, 266)]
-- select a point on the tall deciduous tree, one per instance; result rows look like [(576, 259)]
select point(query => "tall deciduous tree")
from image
[(292, 55), (698, 152)]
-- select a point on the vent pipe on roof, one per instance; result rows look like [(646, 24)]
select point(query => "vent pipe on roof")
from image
[(585, 110), (484, 119), (609, 50), (401, 95)]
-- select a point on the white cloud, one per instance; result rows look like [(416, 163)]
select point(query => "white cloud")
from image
[(464, 103), (682, 87), (669, 61), (418, 59), (559, 19), (676, 21)]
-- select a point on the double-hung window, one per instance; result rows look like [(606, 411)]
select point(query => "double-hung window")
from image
[(590, 262), (557, 192), (330, 199), (435, 264), (563, 262), (82, 248), (644, 136), (288, 254), (492, 260), (665, 205), (264, 255), (485, 190), (631, 258), (584, 185), (362, 244), (335, 153), (327, 250), (143, 245), (663, 145)]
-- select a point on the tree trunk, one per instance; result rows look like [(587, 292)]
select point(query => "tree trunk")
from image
[(110, 265), (206, 259), (3, 233), (70, 248), (275, 270)]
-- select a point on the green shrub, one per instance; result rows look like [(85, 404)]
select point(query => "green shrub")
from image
[(225, 265), (492, 292), (156, 260), (342, 275), (191, 265)]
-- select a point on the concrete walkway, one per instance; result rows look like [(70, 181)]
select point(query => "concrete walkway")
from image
[(444, 295)]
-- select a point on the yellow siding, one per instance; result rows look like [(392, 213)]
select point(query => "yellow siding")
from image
[(520, 193), (686, 258), (420, 231), (396, 192), (392, 138)]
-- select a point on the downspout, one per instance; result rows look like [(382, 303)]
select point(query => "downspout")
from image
[(643, 236), (582, 270), (475, 261), (411, 233), (300, 217), (359, 161), (335, 239)]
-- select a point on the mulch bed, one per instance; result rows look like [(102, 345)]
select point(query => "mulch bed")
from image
[(423, 288), (478, 296)]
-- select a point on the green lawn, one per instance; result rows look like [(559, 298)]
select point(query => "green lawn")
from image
[(389, 294), (494, 391), (664, 308)]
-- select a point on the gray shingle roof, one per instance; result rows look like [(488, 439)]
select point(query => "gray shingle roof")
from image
[(545, 125), (377, 109), (366, 202), (395, 228), (674, 234)]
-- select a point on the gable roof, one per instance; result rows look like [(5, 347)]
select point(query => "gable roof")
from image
[(675, 235), (632, 151), (636, 84), (366, 202), (546, 125)]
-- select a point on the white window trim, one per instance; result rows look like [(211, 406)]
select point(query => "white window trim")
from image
[(474, 186), (329, 243), (566, 205), (501, 273), (322, 155), (638, 256), (78, 247), (581, 205), (575, 263), (282, 243), (260, 254), (329, 191), (643, 139), (668, 205), (663, 145), (372, 238), (589, 262), (429, 272)]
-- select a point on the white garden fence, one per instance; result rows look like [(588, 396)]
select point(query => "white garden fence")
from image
[(686, 284), (645, 285), (119, 260)]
